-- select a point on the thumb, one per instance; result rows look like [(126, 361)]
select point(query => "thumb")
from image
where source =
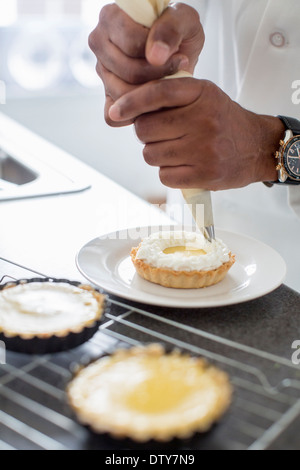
[(168, 32)]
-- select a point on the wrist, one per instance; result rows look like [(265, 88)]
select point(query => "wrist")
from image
[(271, 131)]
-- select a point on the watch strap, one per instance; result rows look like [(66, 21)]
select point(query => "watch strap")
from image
[(288, 181), (291, 123)]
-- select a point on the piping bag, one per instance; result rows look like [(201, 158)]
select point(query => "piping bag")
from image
[(145, 12)]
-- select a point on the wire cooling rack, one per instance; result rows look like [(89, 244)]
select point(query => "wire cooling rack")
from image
[(34, 413)]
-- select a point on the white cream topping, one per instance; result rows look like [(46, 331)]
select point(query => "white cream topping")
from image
[(42, 307), (152, 251)]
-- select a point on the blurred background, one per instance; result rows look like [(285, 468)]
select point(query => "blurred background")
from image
[(52, 88)]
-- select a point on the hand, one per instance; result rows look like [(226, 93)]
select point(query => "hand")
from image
[(129, 54), (198, 136)]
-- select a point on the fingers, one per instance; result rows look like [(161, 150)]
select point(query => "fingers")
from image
[(115, 25), (154, 96), (183, 165), (177, 30), (108, 103), (181, 152), (165, 154), (180, 177), (119, 45), (164, 125), (136, 70), (114, 88)]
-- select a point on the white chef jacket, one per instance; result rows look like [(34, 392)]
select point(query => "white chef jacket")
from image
[(252, 51)]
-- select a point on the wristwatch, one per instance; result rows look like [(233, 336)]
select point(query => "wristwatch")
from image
[(288, 155)]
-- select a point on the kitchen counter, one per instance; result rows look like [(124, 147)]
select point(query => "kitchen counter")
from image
[(252, 341)]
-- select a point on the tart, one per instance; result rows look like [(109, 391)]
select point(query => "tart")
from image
[(144, 393), (182, 260), (46, 315)]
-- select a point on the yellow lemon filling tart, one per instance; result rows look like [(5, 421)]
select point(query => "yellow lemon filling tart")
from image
[(46, 315), (144, 393), (182, 260)]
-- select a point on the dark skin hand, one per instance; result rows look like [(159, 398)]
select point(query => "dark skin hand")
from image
[(198, 136), (128, 54), (191, 129)]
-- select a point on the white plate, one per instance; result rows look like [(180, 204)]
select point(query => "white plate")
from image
[(105, 261)]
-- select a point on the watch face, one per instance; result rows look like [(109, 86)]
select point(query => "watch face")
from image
[(292, 158)]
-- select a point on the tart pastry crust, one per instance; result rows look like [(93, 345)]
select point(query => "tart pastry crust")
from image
[(41, 340), (145, 393), (180, 279)]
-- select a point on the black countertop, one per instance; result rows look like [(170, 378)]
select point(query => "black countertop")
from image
[(251, 341)]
